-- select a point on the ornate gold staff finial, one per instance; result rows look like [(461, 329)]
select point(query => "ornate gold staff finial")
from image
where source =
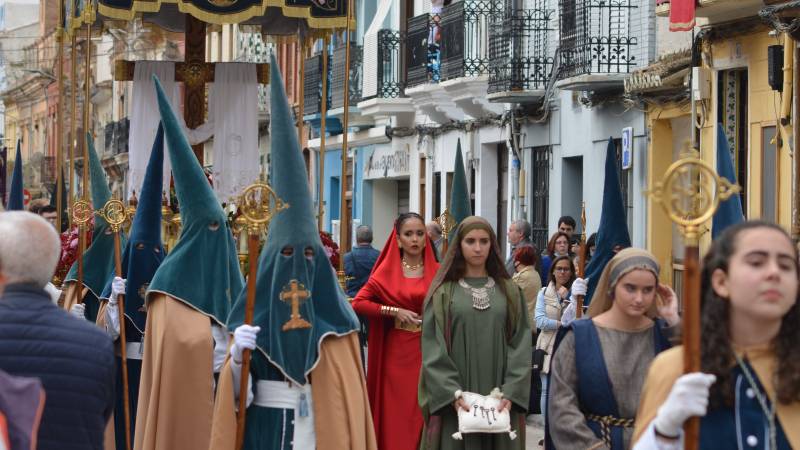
[(81, 213), (690, 194), (446, 221), (258, 204), (115, 213)]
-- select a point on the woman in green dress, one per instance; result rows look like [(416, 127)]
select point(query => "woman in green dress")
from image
[(475, 337)]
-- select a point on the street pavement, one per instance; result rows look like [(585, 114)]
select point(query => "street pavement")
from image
[(535, 431)]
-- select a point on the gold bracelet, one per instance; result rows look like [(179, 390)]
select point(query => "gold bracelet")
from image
[(388, 310)]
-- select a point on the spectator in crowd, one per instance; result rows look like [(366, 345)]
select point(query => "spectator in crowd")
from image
[(435, 233), (566, 224), (35, 333), (359, 261), (557, 246), (519, 235)]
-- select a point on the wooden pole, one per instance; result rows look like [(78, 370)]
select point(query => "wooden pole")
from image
[(301, 51), (87, 77), (122, 343), (581, 260), (73, 124), (344, 220), (60, 119), (691, 330), (249, 312), (322, 131)]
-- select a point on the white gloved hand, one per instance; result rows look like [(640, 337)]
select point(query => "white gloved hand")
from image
[(117, 288), (568, 315), (688, 398), (244, 337), (78, 311), (579, 287)]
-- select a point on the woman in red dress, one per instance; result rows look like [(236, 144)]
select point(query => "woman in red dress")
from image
[(392, 301)]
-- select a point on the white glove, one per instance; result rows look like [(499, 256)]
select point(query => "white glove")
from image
[(688, 398), (78, 311), (244, 337), (579, 287), (117, 288), (568, 315)]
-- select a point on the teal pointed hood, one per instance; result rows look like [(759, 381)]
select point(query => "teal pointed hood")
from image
[(460, 207), (145, 252), (293, 256), (98, 260), (202, 270)]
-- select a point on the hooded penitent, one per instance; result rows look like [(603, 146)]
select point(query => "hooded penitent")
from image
[(144, 252), (202, 270), (613, 230), (15, 199), (293, 260), (98, 260), (460, 207)]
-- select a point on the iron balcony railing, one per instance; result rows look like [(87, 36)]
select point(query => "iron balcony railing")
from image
[(382, 74), (312, 85), (451, 44), (116, 136), (518, 50), (337, 81), (595, 37)]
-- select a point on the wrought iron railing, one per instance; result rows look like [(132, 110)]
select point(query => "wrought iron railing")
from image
[(338, 74), (422, 50), (116, 136), (595, 37), (390, 82), (518, 52), (465, 38), (312, 85)]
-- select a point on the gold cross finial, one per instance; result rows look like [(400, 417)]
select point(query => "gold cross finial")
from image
[(295, 293), (446, 221)]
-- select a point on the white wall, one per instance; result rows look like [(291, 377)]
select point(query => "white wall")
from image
[(384, 211)]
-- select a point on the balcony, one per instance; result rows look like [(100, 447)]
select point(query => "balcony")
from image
[(115, 137), (337, 80), (712, 12), (383, 87), (519, 64), (597, 50), (448, 61)]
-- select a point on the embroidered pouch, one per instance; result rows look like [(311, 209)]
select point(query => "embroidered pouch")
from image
[(483, 416)]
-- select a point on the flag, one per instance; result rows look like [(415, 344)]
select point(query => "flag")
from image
[(15, 199), (681, 15), (613, 230), (460, 207), (729, 211)]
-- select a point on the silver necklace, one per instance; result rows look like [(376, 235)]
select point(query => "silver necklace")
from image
[(480, 295), (769, 411)]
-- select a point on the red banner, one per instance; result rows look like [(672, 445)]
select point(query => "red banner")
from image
[(681, 15)]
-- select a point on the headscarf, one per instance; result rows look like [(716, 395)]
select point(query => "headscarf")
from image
[(469, 224), (621, 264)]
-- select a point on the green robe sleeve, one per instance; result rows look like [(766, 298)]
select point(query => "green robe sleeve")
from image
[(440, 376), (517, 382)]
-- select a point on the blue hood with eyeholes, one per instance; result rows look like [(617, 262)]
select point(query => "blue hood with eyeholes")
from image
[(202, 270), (144, 252), (293, 258)]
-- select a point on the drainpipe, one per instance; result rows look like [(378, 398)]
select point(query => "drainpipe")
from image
[(786, 123), (513, 144)]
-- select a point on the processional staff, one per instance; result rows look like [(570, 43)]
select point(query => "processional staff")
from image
[(447, 222), (258, 205), (690, 194), (581, 260), (115, 213)]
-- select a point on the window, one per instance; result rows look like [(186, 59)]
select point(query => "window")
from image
[(626, 186), (540, 180), (769, 169), (732, 115)]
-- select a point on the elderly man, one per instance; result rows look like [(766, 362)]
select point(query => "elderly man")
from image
[(73, 359), (435, 233), (519, 235), (359, 261)]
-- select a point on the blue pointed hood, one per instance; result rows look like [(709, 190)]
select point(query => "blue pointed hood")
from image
[(202, 270), (98, 260), (294, 352), (15, 199), (460, 206), (730, 210), (613, 228), (144, 252)]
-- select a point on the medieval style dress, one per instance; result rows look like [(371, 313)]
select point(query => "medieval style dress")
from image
[(307, 388), (394, 357), (597, 373), (739, 426)]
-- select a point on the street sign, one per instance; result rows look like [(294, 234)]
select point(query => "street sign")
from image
[(627, 148)]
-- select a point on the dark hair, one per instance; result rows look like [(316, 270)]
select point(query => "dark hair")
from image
[(592, 241), (526, 255), (46, 209), (404, 217), (716, 349), (567, 220), (551, 277), (551, 244)]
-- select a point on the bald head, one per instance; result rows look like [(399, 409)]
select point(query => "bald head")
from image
[(29, 249), (434, 230)]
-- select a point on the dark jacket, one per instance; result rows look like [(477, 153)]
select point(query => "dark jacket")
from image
[(358, 264), (74, 360)]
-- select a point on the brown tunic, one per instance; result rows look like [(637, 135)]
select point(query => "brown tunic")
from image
[(627, 356)]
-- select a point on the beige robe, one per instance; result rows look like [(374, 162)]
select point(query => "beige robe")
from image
[(338, 379), (176, 396)]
